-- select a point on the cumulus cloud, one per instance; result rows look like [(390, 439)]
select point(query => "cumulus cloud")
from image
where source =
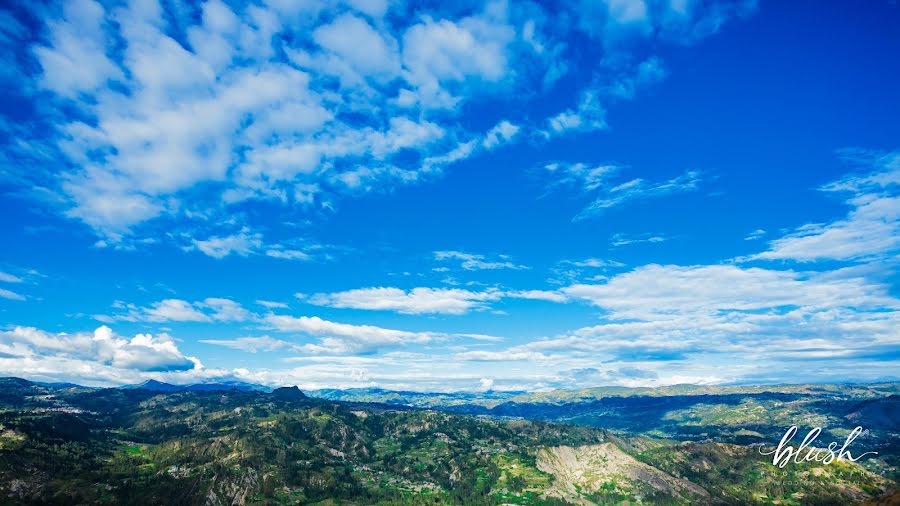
[(160, 115), (502, 133), (222, 108), (442, 56), (27, 351)]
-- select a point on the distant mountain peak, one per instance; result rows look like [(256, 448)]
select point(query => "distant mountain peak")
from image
[(288, 394), (160, 386)]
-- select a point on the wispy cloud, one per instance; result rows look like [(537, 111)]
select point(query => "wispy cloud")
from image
[(345, 338), (870, 230), (269, 304), (598, 181), (589, 113), (622, 239), (246, 243), (474, 262), (416, 301), (254, 344), (9, 278), (423, 300), (756, 234), (639, 189), (11, 295), (211, 309)]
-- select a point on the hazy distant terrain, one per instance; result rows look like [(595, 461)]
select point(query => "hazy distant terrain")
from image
[(738, 414), (234, 444)]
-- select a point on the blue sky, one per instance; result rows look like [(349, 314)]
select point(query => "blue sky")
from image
[(476, 196)]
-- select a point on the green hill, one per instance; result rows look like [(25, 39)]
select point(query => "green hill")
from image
[(136, 446)]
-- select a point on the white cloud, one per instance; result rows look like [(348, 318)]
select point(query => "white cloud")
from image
[(473, 262), (647, 73), (178, 310), (545, 295), (416, 301), (438, 53), (623, 239), (9, 294), (654, 290), (28, 351), (589, 115), (871, 229), (227, 310), (243, 243), (597, 179), (756, 234), (590, 112), (594, 262), (246, 243), (344, 337), (359, 46), (272, 304), (639, 189), (424, 300), (374, 8), (9, 278), (224, 109), (253, 344), (502, 133), (173, 310), (165, 117), (77, 61), (588, 177), (500, 356), (664, 323), (288, 254), (616, 21)]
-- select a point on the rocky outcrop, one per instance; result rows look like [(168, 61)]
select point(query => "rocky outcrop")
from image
[(583, 471)]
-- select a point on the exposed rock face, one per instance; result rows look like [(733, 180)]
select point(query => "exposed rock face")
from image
[(232, 490), (605, 467)]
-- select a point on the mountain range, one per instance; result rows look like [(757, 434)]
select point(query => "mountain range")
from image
[(224, 443)]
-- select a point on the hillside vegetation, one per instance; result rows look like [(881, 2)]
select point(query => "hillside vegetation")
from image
[(71, 445)]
